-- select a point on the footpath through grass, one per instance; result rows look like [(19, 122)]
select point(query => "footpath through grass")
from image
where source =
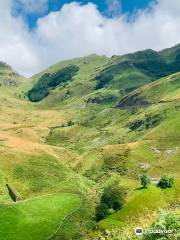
[(37, 218)]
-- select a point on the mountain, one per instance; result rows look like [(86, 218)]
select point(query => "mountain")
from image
[(69, 132), (9, 77)]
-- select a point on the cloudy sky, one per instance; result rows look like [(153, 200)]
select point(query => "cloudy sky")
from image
[(37, 33)]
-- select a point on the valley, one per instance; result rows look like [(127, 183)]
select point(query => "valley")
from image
[(69, 132)]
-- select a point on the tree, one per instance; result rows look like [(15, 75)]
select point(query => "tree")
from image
[(114, 197), (102, 211), (50, 81), (145, 181), (166, 182)]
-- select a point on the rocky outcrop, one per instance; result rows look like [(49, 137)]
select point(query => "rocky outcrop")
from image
[(133, 101)]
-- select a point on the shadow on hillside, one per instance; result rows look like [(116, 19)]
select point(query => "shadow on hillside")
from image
[(139, 188)]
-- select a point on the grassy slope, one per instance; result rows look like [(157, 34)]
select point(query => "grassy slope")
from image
[(159, 148), (103, 137), (142, 207), (37, 160), (37, 218)]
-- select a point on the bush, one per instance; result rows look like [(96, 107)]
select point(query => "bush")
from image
[(168, 226), (145, 181), (166, 182), (102, 211), (136, 124), (103, 80), (113, 234), (114, 197), (153, 120), (70, 123)]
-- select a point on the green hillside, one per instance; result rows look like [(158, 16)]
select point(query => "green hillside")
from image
[(37, 218), (69, 132)]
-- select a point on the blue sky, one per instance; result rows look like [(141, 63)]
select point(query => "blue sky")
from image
[(127, 6)]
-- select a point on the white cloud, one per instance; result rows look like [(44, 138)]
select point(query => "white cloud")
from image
[(113, 7), (32, 6), (78, 30)]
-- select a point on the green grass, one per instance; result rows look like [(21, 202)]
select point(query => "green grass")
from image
[(37, 159), (141, 205), (37, 218)]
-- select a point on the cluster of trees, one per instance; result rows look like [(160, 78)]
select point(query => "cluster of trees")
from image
[(112, 200), (49, 81), (113, 197), (164, 182)]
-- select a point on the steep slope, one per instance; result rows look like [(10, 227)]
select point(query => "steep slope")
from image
[(162, 91), (81, 71), (155, 127), (110, 79), (109, 121)]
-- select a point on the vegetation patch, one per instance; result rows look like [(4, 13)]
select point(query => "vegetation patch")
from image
[(133, 101), (149, 121), (49, 81), (117, 162), (109, 73), (102, 99), (112, 200)]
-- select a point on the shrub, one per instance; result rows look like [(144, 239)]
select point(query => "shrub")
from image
[(114, 197), (166, 182), (103, 80), (153, 120), (145, 181), (70, 123), (168, 226), (136, 124), (113, 234), (102, 211)]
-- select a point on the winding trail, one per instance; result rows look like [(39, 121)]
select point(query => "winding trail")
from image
[(66, 217)]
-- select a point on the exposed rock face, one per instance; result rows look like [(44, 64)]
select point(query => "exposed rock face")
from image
[(133, 101), (143, 166), (170, 152), (155, 150), (167, 152), (9, 83)]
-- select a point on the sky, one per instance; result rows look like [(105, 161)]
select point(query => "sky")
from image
[(37, 33), (119, 6)]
